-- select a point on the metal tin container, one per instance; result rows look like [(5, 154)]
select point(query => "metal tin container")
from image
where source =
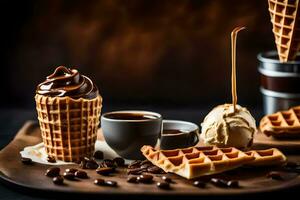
[(280, 82)]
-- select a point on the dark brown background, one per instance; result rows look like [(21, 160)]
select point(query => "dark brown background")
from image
[(164, 53)]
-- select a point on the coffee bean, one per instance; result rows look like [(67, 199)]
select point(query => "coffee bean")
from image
[(163, 185), (58, 180), (91, 164), (233, 184), (26, 161), (199, 184), (52, 172), (70, 176), (146, 166), (99, 181), (291, 164), (146, 162), (120, 162), (167, 179), (275, 175), (105, 171), (109, 163), (110, 183), (132, 179), (145, 178), (98, 155), (81, 174), (135, 164), (72, 170), (136, 171), (51, 159), (155, 170), (219, 182)]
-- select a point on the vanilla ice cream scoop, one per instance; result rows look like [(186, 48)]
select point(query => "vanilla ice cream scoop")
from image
[(225, 128)]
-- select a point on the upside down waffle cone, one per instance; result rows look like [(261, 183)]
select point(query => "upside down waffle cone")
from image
[(68, 126), (285, 18)]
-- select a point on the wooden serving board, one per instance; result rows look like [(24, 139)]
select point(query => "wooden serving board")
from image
[(32, 178)]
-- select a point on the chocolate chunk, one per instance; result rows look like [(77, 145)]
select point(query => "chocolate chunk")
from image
[(99, 181), (233, 184), (145, 178), (132, 179), (72, 170), (219, 182), (135, 164), (52, 172), (110, 183), (166, 179), (105, 171), (136, 171), (81, 174), (26, 161), (58, 180), (51, 159), (155, 170), (98, 155), (120, 162), (70, 176), (163, 185), (199, 184), (275, 175)]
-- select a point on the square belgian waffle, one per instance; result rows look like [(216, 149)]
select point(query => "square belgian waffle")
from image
[(282, 124), (286, 28), (196, 161)]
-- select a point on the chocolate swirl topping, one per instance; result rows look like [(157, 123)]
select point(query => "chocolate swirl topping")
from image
[(68, 82)]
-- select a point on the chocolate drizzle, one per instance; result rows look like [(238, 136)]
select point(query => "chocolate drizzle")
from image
[(68, 82)]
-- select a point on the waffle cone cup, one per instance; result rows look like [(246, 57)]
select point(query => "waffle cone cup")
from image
[(285, 18), (68, 126)]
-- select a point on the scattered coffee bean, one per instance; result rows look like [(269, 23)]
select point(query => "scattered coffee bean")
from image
[(51, 159), (26, 161), (146, 166), (135, 171), (145, 178), (52, 172), (58, 180), (135, 164), (233, 184), (132, 179), (110, 183), (146, 162), (69, 176), (105, 171), (72, 170), (167, 179), (108, 163), (275, 175), (155, 170), (120, 162), (99, 181), (291, 164), (199, 184), (81, 174), (219, 182), (98, 155), (163, 185), (92, 164)]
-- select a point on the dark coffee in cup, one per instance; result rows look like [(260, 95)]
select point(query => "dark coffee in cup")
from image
[(131, 116)]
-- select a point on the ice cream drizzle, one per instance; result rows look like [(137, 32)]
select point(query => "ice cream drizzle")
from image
[(233, 65)]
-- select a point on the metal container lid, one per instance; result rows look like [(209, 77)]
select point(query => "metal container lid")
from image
[(271, 66)]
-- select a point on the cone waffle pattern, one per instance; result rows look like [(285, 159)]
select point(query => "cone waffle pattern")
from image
[(282, 124), (266, 157), (68, 126), (196, 161), (285, 18)]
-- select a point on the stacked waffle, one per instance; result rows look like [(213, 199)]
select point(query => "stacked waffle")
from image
[(286, 27), (199, 161), (282, 124)]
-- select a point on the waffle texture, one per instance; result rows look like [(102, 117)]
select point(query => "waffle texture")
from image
[(283, 124), (286, 27), (194, 162), (266, 157), (68, 126)]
